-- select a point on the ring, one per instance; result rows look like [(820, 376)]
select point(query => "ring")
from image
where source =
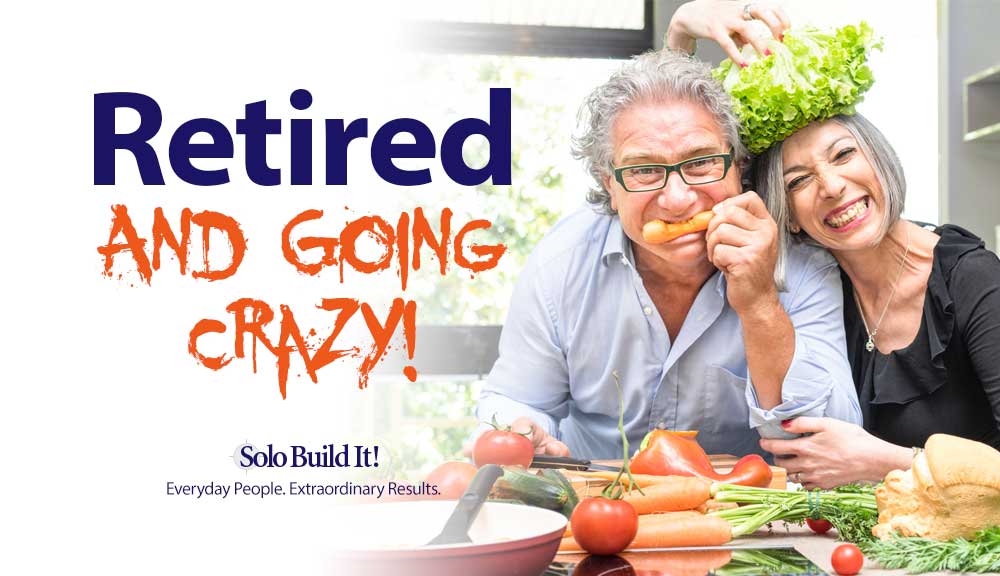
[(746, 11)]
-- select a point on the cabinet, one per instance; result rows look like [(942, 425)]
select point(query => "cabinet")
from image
[(981, 102)]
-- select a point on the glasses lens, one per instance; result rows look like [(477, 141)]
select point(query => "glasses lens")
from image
[(644, 178), (703, 170)]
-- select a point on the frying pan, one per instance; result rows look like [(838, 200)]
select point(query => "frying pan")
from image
[(389, 538)]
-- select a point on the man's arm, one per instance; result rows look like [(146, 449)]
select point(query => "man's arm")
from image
[(529, 384)]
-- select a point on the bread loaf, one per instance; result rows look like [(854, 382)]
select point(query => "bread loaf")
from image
[(951, 490)]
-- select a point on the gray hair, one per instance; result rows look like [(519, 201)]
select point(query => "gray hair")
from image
[(654, 76), (771, 184)]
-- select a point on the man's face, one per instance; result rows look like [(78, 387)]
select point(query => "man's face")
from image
[(667, 133)]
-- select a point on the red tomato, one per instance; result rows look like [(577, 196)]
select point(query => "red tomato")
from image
[(503, 447), (819, 526), (604, 526), (451, 479), (847, 559)]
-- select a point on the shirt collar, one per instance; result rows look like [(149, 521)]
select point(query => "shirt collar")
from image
[(618, 249)]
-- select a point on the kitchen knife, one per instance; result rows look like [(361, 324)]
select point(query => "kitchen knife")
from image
[(542, 461)]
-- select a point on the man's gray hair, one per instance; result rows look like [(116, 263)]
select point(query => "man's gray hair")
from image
[(654, 76), (877, 150)]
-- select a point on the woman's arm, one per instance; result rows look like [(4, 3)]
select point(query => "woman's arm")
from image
[(835, 453), (724, 22)]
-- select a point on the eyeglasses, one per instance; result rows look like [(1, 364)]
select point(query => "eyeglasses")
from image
[(696, 171)]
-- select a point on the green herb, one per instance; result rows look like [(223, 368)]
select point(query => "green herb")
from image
[(851, 509), (778, 561), (618, 487), (917, 555), (811, 75)]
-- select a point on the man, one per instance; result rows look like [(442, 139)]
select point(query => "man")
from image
[(695, 327)]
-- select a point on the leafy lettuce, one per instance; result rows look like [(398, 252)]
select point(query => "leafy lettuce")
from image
[(812, 75)]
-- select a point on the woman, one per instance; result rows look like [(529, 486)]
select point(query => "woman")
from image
[(922, 307)]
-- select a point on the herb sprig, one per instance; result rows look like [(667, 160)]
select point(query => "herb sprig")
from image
[(918, 555)]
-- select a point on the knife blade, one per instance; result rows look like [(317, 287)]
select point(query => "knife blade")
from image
[(542, 461)]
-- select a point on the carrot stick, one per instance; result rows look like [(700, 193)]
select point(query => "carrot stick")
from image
[(642, 480), (680, 493), (658, 231), (674, 529), (569, 544), (713, 504)]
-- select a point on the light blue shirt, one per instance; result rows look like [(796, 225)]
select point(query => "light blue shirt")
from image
[(580, 312)]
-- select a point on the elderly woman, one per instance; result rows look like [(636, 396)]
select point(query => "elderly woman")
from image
[(921, 305)]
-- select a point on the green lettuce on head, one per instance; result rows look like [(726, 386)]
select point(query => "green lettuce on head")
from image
[(812, 75)]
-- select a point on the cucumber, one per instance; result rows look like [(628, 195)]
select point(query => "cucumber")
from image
[(551, 491)]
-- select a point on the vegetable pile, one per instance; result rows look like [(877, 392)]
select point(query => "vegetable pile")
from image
[(811, 75)]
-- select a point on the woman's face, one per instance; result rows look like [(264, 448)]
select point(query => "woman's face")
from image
[(833, 192)]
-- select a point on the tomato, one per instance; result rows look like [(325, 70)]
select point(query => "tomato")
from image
[(503, 447), (451, 479), (847, 559), (819, 526), (604, 526)]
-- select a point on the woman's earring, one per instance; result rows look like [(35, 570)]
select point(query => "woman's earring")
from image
[(794, 228)]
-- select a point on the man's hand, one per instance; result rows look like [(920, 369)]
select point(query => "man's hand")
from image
[(743, 243), (543, 442)]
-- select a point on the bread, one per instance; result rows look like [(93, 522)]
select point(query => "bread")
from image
[(951, 490)]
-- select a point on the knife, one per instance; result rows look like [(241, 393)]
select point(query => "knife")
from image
[(542, 461)]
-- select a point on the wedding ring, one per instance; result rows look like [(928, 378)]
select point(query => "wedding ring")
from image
[(746, 11)]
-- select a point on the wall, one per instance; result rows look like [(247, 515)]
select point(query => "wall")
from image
[(970, 171)]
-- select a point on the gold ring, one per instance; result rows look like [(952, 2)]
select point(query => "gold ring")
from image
[(746, 11)]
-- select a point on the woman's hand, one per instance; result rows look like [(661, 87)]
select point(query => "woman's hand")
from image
[(834, 453), (723, 21)]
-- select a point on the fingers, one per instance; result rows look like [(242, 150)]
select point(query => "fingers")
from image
[(749, 201), (774, 17), (781, 448), (553, 447), (723, 38), (805, 425), (748, 32)]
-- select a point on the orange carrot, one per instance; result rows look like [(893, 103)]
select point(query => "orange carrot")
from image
[(675, 529), (713, 504), (680, 562), (569, 544), (658, 231), (641, 480), (680, 493)]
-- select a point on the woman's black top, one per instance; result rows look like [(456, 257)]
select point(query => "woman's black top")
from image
[(948, 379)]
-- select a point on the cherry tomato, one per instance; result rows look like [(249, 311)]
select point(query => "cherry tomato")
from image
[(503, 447), (819, 526), (847, 559), (604, 526), (451, 479)]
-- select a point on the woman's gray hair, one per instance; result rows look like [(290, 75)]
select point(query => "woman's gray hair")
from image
[(771, 184), (654, 76)]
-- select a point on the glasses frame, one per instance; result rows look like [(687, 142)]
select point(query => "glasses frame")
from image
[(727, 159)]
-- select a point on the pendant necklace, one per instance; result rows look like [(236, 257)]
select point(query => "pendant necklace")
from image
[(870, 345)]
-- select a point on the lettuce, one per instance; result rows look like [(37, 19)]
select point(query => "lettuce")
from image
[(812, 75)]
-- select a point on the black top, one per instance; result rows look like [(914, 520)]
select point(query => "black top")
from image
[(948, 379)]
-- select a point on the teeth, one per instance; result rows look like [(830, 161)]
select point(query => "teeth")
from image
[(848, 216)]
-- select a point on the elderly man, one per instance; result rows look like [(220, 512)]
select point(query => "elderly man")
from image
[(695, 328)]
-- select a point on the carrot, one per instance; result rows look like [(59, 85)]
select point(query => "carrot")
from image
[(658, 231), (671, 530), (675, 529), (713, 504), (680, 562), (641, 480), (680, 493), (570, 545)]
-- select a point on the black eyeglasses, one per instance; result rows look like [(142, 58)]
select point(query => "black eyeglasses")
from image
[(695, 171)]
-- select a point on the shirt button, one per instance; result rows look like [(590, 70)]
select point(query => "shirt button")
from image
[(647, 310), (661, 425)]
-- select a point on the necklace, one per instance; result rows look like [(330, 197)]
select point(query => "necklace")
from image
[(870, 345)]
